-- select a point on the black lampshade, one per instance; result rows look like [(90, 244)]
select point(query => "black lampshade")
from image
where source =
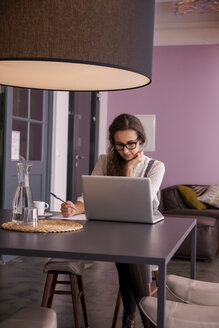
[(76, 44)]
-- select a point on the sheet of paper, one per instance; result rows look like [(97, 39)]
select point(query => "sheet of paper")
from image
[(15, 145), (74, 217)]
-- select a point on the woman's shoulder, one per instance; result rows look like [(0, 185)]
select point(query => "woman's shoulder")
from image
[(153, 167), (103, 158), (101, 165), (154, 162)]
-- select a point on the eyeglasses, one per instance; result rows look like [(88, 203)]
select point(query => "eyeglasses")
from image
[(129, 145)]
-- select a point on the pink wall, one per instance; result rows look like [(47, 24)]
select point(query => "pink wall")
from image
[(184, 95)]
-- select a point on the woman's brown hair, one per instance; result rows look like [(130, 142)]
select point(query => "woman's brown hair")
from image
[(115, 162)]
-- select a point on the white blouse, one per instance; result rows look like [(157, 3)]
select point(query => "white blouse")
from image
[(156, 174)]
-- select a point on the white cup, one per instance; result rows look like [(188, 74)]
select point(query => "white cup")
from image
[(41, 206), (30, 216)]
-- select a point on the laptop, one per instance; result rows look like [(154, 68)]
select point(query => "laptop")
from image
[(123, 199)]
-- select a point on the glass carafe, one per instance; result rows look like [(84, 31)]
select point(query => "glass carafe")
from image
[(23, 194)]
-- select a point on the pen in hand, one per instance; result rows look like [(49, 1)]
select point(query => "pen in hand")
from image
[(57, 197), (61, 199)]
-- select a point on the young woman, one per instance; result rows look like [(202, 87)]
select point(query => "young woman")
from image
[(125, 158)]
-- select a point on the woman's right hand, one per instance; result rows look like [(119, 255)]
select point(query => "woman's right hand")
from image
[(68, 209), (130, 165)]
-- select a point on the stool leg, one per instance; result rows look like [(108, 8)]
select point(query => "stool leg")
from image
[(47, 289), (117, 308), (154, 291), (82, 297), (52, 290), (75, 300), (149, 290)]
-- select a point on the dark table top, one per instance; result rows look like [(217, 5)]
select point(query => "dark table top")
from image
[(101, 240)]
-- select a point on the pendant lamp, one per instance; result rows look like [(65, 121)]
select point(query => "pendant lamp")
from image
[(81, 45)]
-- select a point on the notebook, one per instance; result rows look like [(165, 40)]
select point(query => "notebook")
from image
[(121, 199)]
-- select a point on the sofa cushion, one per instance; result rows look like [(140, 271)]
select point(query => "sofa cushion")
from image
[(211, 196), (213, 213), (171, 198), (209, 213), (190, 198), (202, 220)]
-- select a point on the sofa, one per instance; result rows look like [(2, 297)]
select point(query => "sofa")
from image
[(174, 203)]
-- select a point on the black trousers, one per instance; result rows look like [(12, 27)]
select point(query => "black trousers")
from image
[(133, 282)]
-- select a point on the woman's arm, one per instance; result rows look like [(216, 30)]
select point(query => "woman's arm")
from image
[(156, 174)]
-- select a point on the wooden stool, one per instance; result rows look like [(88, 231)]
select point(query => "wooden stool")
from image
[(119, 298), (74, 270)]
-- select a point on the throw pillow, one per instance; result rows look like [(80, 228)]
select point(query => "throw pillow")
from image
[(200, 190), (190, 198), (211, 196)]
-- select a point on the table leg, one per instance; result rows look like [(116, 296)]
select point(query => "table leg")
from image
[(161, 296), (193, 252)]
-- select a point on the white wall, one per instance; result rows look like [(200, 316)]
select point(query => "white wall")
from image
[(102, 146), (59, 148)]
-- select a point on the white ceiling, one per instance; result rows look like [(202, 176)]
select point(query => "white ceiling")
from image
[(191, 29)]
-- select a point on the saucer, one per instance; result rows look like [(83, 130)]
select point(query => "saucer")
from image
[(45, 214)]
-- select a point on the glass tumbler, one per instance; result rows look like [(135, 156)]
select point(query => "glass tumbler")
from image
[(30, 216)]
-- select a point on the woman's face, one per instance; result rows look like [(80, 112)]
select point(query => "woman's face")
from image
[(130, 139)]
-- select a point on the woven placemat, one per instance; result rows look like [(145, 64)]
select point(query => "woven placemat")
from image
[(45, 226)]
